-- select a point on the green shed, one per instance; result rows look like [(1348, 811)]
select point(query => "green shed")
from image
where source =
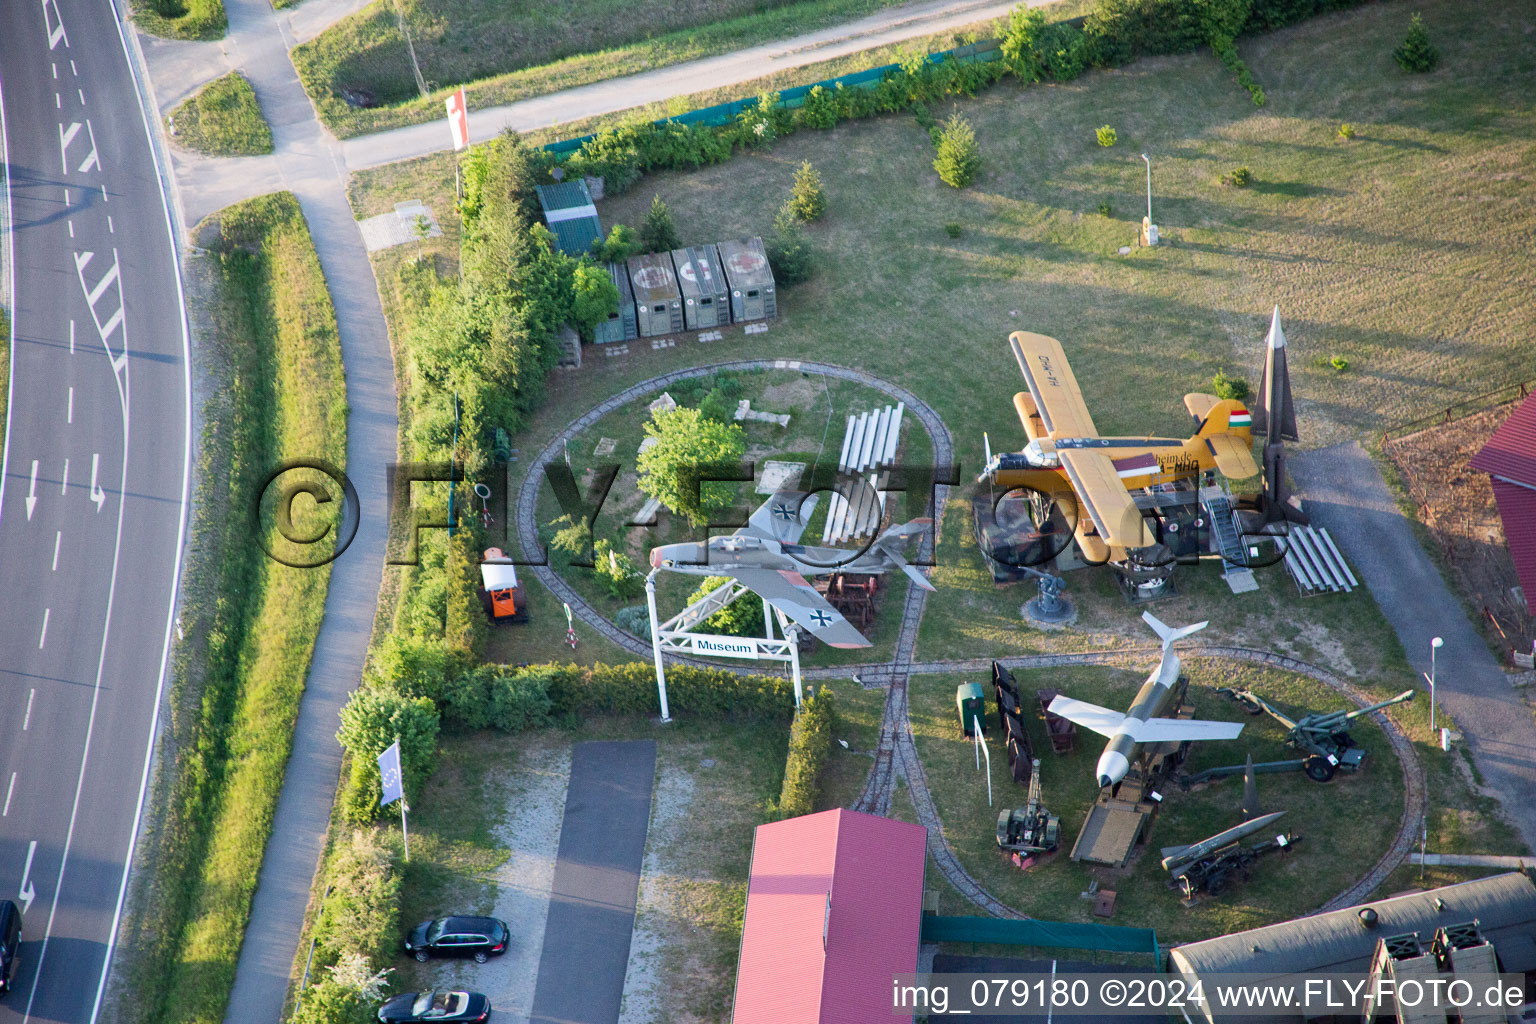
[(570, 215), (971, 705)]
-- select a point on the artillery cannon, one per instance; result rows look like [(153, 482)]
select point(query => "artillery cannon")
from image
[(1323, 737), (1033, 829)]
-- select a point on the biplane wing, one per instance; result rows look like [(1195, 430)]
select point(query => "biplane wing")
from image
[(1058, 399), (1232, 456), (1103, 496)]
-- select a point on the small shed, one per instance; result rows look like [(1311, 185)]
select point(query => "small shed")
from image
[(570, 215), (1509, 458), (1343, 941), (658, 303), (751, 279), (834, 909), (706, 299), (620, 325), (971, 706)]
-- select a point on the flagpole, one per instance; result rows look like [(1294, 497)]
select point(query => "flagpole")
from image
[(405, 832)]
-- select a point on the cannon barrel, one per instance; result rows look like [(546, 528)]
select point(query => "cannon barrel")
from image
[(1402, 698)]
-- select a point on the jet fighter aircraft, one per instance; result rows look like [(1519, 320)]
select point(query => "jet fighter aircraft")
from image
[(765, 556), (1068, 460), (1142, 723)]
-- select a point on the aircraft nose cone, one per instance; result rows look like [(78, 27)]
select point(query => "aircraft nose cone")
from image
[(655, 558), (1105, 782)]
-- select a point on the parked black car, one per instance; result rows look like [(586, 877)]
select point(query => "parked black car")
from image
[(10, 943), (438, 1007), (479, 937)]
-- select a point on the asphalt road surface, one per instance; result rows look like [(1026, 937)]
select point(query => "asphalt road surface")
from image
[(597, 878), (94, 492)]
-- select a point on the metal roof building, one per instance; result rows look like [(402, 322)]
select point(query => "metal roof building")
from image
[(1341, 941), (570, 215), (751, 279), (834, 908), (620, 325), (658, 303), (1509, 458), (706, 296)]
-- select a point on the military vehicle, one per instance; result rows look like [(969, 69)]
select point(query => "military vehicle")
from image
[(1032, 829), (1210, 864)]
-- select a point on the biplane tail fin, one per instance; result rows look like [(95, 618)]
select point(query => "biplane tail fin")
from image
[(1228, 416)]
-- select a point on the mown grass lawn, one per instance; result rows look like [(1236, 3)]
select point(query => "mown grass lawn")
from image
[(181, 19), (223, 119)]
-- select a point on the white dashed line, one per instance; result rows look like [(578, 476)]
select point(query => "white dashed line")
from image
[(58, 535), (58, 102), (82, 96), (66, 197), (55, 71), (71, 410), (8, 791), (71, 337), (72, 68), (71, 229), (110, 228), (43, 639), (104, 194), (27, 721), (64, 483)]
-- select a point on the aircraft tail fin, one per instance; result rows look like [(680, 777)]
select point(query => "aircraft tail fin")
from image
[(1168, 634), (891, 540), (1228, 416)]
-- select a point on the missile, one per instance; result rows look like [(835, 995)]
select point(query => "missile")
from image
[(1178, 859)]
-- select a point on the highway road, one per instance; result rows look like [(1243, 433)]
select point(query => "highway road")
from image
[(93, 499)]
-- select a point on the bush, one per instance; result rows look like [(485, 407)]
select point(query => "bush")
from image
[(595, 297), (635, 619), (1226, 386), (717, 407), (630, 689), (1416, 53), (810, 743), (1339, 363), (416, 666), (370, 721), (820, 108), (361, 914), (1238, 177), (330, 1002), (617, 571), (806, 197), (959, 158), (658, 233), (952, 230), (789, 251), (1107, 136), (1105, 210), (621, 244), (1346, 130)]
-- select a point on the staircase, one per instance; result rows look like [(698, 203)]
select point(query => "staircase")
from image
[(1228, 539)]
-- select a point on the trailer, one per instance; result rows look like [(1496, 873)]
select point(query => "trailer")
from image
[(750, 277), (706, 296), (658, 303), (620, 325)]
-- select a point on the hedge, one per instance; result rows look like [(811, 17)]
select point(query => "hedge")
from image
[(361, 911), (810, 743)]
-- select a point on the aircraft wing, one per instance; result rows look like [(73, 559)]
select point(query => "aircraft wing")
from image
[(1058, 399), (789, 592), (1104, 497), (783, 517), (1232, 455), (1090, 716), (1177, 730)]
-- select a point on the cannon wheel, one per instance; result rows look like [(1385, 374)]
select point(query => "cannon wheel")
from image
[(1319, 768)]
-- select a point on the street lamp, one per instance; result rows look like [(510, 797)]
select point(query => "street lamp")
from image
[(1434, 645), (1149, 186)]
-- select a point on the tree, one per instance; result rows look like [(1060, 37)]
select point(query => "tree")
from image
[(690, 448), (622, 243), (959, 158), (658, 233), (789, 252), (573, 539), (595, 298), (1416, 52), (743, 617), (806, 198), (422, 226), (617, 570), (370, 721), (347, 996), (1020, 33)]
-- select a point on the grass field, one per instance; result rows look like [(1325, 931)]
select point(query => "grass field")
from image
[(504, 51), (181, 19), (250, 622), (223, 119)]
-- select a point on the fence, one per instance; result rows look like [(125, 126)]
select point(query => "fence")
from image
[(1029, 932), (1466, 407), (724, 113)]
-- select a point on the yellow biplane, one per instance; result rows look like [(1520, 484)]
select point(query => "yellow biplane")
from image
[(1068, 460)]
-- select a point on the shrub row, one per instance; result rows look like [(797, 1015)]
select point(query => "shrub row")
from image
[(1113, 33), (810, 744)]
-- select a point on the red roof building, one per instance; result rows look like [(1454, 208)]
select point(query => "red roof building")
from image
[(834, 909), (1510, 458)]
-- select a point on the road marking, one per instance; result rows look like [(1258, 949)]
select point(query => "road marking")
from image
[(67, 135), (43, 639), (8, 791), (90, 161), (71, 337), (55, 27), (71, 411), (71, 229), (82, 96), (27, 721), (58, 102), (72, 68), (64, 483), (66, 197), (55, 71), (97, 494), (104, 194), (110, 228), (104, 329), (28, 891), (58, 535), (32, 492)]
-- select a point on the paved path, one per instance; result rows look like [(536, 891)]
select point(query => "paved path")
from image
[(1344, 492), (306, 162), (597, 879)]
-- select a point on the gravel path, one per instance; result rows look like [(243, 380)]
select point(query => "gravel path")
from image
[(896, 754)]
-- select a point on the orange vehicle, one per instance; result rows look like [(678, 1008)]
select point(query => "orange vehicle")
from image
[(500, 592)]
